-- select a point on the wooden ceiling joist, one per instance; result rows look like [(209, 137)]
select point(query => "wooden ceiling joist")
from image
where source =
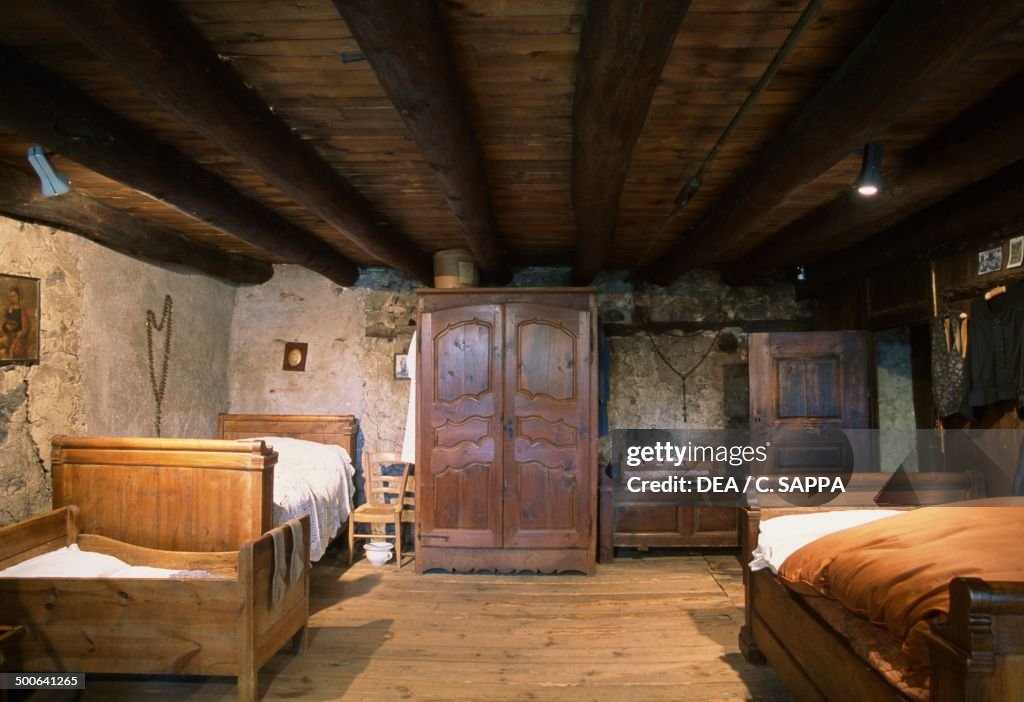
[(911, 50), (21, 198), (45, 109), (156, 48), (987, 140), (623, 49), (990, 209), (407, 45)]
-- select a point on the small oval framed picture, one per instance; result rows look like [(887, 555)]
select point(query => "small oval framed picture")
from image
[(295, 356)]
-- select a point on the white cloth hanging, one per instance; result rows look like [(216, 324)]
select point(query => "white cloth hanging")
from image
[(409, 443)]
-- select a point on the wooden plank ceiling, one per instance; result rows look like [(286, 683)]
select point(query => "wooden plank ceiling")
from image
[(404, 182)]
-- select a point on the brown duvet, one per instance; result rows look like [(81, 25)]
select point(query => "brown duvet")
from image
[(895, 572)]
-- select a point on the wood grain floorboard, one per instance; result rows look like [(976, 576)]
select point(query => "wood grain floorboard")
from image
[(659, 628)]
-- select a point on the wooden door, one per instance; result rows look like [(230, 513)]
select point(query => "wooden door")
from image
[(459, 427), (548, 386), (810, 400)]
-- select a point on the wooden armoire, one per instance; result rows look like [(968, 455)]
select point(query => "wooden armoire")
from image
[(506, 445)]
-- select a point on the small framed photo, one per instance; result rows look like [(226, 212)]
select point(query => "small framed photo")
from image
[(1016, 256), (990, 260), (401, 366), (19, 319), (295, 356)]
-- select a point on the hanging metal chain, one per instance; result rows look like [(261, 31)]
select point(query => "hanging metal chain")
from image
[(664, 359), (151, 324)]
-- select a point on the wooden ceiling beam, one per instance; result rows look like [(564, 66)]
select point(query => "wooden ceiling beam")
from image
[(165, 57), (990, 209), (407, 44), (909, 52), (45, 109), (974, 146), (21, 198), (623, 49)]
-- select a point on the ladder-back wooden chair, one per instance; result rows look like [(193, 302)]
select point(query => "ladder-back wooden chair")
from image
[(385, 501)]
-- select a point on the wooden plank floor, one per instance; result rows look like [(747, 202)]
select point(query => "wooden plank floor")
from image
[(656, 628)]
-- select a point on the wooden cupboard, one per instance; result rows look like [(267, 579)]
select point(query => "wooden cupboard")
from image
[(506, 458)]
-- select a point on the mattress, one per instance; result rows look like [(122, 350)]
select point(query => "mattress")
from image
[(781, 536), (72, 562), (895, 572)]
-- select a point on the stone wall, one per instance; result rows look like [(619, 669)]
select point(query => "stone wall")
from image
[(93, 375), (898, 434), (353, 336), (354, 333)]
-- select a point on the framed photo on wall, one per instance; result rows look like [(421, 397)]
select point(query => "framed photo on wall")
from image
[(401, 366), (1016, 256), (990, 260), (19, 319)]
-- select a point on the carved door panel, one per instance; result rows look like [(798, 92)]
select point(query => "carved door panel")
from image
[(810, 399), (547, 420), (460, 432)]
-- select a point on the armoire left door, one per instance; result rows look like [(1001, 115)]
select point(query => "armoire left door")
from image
[(459, 477)]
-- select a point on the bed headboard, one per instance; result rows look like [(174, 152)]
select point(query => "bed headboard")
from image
[(321, 428)]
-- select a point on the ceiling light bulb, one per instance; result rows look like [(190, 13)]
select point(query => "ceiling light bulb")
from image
[(869, 182)]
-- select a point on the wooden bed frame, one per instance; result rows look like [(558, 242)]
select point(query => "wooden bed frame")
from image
[(184, 494), (142, 626), (978, 656)]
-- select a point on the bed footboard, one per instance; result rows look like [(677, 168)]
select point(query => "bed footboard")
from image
[(267, 626), (978, 654), (226, 626)]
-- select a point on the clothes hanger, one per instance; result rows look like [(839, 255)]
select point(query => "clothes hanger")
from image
[(995, 292)]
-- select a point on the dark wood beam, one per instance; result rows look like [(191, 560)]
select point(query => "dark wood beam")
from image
[(168, 61), (21, 198), (974, 146), (407, 45), (623, 49), (989, 209), (45, 109), (910, 51)]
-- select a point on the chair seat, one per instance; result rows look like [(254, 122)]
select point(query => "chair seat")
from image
[(366, 512)]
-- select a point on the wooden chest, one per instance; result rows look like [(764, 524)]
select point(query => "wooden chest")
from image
[(646, 520)]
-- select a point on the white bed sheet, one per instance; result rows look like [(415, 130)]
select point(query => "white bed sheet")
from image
[(781, 536), (72, 562), (313, 479)]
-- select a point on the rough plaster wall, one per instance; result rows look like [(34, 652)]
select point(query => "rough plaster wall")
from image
[(646, 393), (897, 442), (118, 391), (353, 335), (93, 374), (39, 401)]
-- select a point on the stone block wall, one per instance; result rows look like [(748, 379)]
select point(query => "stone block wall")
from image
[(354, 333), (93, 374)]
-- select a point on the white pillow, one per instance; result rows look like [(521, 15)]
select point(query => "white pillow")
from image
[(781, 536)]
